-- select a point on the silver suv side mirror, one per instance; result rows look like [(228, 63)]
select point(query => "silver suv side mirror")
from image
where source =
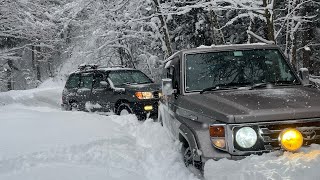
[(304, 75), (167, 89)]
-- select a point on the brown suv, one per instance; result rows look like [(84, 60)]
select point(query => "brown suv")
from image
[(118, 90)]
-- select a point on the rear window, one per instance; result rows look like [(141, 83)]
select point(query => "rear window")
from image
[(73, 81)]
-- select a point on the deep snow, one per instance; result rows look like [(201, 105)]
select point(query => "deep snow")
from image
[(39, 141)]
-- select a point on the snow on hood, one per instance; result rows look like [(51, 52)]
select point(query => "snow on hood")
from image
[(275, 93)]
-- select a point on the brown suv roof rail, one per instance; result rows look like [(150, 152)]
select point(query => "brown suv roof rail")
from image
[(83, 67)]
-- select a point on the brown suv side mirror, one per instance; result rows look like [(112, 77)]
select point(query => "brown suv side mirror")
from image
[(304, 75), (105, 85), (115, 89)]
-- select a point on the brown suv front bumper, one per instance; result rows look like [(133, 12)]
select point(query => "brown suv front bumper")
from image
[(139, 108)]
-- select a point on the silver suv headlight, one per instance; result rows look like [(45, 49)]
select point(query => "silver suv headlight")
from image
[(246, 137)]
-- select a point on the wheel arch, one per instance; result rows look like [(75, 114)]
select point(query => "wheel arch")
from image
[(118, 103), (72, 101), (187, 136)]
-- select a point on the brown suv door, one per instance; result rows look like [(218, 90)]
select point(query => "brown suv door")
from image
[(102, 95), (70, 91)]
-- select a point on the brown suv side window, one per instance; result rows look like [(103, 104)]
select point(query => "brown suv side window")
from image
[(86, 81), (97, 79), (73, 81)]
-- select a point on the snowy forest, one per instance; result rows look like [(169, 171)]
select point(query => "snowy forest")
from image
[(40, 39)]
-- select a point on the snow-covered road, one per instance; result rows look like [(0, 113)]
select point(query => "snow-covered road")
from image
[(39, 141)]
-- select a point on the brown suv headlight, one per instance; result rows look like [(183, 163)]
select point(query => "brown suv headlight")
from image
[(218, 136), (144, 95)]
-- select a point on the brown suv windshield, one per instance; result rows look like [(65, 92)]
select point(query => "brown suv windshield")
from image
[(239, 68), (128, 77)]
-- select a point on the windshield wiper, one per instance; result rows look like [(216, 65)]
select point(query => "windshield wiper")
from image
[(129, 83), (258, 85), (218, 87), (285, 83), (145, 82), (277, 83)]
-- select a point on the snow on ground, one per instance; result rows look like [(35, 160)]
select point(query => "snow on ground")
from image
[(39, 141), (272, 166)]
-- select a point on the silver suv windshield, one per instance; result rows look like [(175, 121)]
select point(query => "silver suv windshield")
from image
[(128, 77), (236, 68)]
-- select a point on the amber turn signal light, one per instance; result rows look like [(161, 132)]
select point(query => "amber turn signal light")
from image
[(144, 95), (217, 131)]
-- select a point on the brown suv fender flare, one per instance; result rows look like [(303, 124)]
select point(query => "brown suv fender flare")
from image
[(185, 134), (118, 104)]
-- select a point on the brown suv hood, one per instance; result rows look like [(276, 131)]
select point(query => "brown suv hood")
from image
[(142, 87), (239, 106)]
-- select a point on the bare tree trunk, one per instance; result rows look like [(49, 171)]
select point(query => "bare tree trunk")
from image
[(38, 50), (306, 37), (250, 40), (294, 50), (35, 63), (293, 37), (306, 52), (50, 70), (121, 55), (269, 19), (9, 79), (286, 51), (126, 58), (163, 29), (9, 71), (218, 36)]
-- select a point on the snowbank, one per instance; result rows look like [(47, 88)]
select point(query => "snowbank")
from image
[(47, 143), (303, 165), (39, 141), (47, 95)]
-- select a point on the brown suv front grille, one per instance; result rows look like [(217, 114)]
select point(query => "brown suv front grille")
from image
[(269, 133)]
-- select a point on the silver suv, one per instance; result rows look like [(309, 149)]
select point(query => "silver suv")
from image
[(237, 100)]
